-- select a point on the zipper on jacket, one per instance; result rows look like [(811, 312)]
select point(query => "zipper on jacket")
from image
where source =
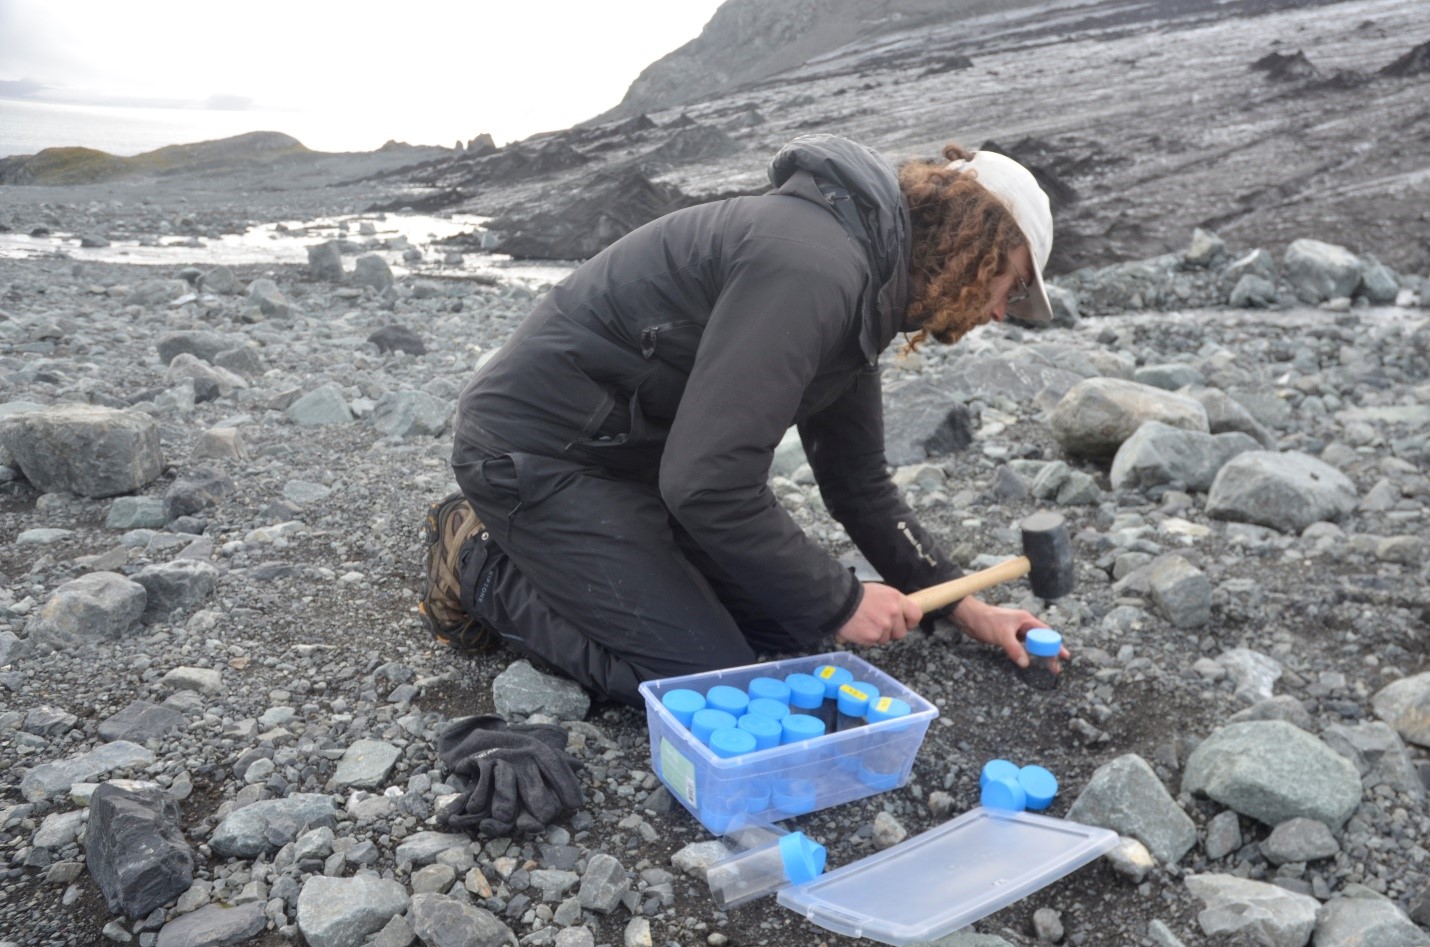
[(651, 334)]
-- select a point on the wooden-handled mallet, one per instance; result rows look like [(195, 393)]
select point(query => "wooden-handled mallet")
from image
[(1046, 561)]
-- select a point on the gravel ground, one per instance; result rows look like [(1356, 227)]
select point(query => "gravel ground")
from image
[(308, 641)]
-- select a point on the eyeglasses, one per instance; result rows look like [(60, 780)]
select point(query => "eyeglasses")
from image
[(1022, 294)]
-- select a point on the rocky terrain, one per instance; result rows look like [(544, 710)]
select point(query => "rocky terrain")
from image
[(220, 711)]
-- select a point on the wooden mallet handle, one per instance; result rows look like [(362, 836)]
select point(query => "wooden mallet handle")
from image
[(937, 596)]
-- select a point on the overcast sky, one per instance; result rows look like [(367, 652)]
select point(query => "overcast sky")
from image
[(447, 67)]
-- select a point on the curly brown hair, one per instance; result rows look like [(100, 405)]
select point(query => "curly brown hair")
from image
[(962, 237)]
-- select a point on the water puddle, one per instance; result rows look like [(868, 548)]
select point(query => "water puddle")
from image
[(287, 242)]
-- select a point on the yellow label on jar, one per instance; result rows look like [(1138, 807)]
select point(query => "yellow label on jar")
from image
[(853, 691), (826, 672), (884, 704)]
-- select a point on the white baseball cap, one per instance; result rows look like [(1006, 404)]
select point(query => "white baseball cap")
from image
[(1015, 186)]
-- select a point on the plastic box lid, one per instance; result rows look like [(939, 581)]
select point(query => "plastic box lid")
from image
[(948, 877)]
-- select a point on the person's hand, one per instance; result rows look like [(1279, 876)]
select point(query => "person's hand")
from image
[(885, 615), (995, 625)]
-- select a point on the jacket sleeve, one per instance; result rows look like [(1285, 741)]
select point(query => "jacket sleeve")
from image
[(784, 307), (845, 447)]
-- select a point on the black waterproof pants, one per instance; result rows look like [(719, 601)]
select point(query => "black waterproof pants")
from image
[(588, 572)]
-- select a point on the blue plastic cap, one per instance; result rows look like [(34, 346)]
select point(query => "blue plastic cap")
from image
[(833, 678), (683, 703), (805, 691), (707, 721), (887, 708), (1039, 785), (801, 727), (854, 698), (997, 769), (769, 707), (1044, 642), (732, 741), (732, 700), (769, 688), (767, 730), (803, 859), (757, 795), (794, 796), (881, 782), (1005, 795)]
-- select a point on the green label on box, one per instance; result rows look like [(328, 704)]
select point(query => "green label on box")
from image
[(678, 771)]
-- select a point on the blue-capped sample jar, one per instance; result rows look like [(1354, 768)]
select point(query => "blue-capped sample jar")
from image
[(768, 707), (886, 751), (806, 695), (800, 727), (833, 678), (683, 703), (732, 700), (707, 721), (768, 688), (767, 730), (997, 769), (1044, 646), (722, 802), (854, 699), (1039, 786)]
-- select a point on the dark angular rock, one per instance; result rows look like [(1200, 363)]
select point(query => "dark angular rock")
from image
[(135, 849), (398, 339), (178, 585), (196, 491)]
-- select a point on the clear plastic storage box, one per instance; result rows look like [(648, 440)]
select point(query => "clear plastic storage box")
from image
[(791, 779)]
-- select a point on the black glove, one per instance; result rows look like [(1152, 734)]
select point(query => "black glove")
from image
[(520, 779)]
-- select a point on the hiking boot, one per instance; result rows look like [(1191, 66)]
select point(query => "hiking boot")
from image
[(450, 526)]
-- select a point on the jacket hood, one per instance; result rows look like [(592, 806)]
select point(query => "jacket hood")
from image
[(861, 188)]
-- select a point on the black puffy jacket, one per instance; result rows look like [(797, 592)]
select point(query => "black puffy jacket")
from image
[(683, 352)]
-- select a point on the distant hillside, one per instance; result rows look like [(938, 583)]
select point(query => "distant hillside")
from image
[(749, 40), (59, 166)]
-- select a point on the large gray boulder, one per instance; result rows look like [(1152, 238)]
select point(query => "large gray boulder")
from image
[(1319, 271), (342, 912), (1225, 415), (409, 413), (1378, 283), (325, 261), (1264, 914), (215, 925), (929, 421), (1182, 592), (1287, 491), (157, 292), (176, 586), (265, 827), (201, 343), (265, 294), (1020, 380), (1126, 796), (1405, 705), (85, 449), (206, 377), (521, 691), (50, 779), (371, 270), (196, 490), (323, 405), (1378, 754), (1366, 922), (135, 849), (1158, 455), (1274, 771), (366, 764), (1098, 414), (101, 606), (441, 921)]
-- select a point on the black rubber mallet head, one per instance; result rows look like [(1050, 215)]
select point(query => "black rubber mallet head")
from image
[(1046, 560)]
